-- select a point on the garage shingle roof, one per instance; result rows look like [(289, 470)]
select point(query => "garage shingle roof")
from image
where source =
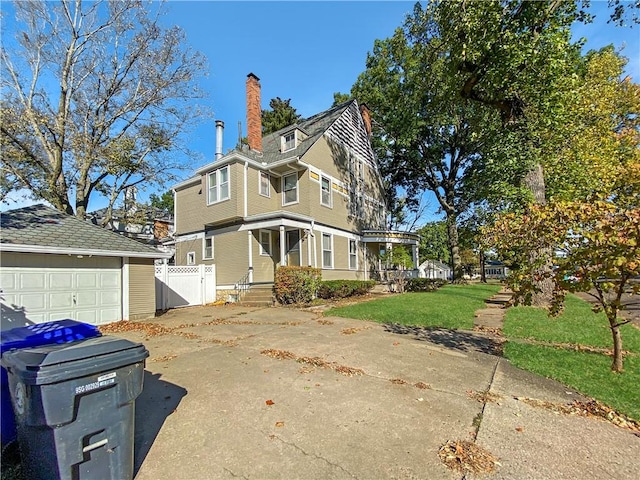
[(44, 228)]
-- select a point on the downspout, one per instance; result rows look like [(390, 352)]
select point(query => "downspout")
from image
[(315, 246), (246, 183)]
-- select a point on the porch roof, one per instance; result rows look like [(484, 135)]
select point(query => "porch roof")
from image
[(390, 236)]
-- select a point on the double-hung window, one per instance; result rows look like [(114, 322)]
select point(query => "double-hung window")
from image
[(265, 242), (218, 185), (325, 191), (290, 189), (327, 251), (208, 248), (353, 255), (265, 183)]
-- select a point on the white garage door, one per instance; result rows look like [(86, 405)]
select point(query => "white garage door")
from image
[(86, 289)]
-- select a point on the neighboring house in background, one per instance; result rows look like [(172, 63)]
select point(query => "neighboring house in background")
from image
[(149, 225), (434, 269), (309, 194), (56, 266), (495, 269)]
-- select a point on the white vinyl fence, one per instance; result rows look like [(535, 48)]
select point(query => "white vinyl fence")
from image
[(184, 286)]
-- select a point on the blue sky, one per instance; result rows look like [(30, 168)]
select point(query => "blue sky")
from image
[(305, 51)]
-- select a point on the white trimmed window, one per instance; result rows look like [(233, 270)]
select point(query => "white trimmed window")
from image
[(325, 191), (191, 258), (218, 185), (265, 184), (327, 251), (265, 242), (289, 141), (208, 248), (353, 255), (290, 189)]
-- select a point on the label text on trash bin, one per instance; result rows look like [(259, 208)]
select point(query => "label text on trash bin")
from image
[(102, 381)]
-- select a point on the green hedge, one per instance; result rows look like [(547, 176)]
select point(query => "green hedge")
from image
[(296, 284), (424, 284), (344, 288)]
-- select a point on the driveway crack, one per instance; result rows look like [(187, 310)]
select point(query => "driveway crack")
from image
[(307, 454)]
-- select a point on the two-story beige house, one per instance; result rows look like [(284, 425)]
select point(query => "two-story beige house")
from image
[(309, 195)]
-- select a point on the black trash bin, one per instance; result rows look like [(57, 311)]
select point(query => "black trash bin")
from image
[(57, 331), (74, 406)]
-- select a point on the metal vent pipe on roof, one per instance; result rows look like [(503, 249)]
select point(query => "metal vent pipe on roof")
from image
[(219, 130)]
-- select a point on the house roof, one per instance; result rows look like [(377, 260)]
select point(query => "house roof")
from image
[(150, 213), (313, 127), (42, 229), (434, 264)]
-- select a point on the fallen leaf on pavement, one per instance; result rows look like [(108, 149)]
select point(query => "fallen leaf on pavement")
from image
[(464, 456), (279, 424), (269, 402)]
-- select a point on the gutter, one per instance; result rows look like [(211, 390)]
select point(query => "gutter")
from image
[(81, 251)]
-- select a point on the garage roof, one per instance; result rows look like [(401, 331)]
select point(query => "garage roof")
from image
[(42, 229)]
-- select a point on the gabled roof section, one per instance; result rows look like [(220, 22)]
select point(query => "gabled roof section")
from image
[(42, 229), (314, 127), (349, 130)]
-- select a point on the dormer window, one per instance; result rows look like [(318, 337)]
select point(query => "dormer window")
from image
[(289, 141)]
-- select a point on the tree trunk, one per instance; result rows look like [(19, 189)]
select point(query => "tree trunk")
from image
[(543, 285), (454, 246), (617, 365), (483, 274)]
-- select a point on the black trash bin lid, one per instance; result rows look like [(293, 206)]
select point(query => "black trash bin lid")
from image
[(51, 363)]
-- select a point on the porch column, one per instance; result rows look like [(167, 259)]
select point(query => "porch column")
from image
[(414, 251), (283, 247), (250, 256), (309, 237)]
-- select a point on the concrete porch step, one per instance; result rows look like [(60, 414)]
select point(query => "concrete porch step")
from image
[(258, 296)]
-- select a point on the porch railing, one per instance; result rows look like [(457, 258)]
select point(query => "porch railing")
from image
[(243, 285)]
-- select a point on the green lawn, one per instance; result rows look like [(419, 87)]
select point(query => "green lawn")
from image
[(589, 373), (452, 306)]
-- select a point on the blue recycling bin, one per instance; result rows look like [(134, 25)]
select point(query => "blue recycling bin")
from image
[(49, 333)]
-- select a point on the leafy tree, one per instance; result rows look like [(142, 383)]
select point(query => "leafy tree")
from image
[(601, 246), (281, 115), (433, 242), (592, 218), (516, 59), (163, 202), (95, 98), (339, 98), (429, 136), (601, 134)]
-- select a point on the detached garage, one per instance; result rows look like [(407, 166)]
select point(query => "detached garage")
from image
[(55, 266)]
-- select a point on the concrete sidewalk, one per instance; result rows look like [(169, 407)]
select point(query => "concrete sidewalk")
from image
[(278, 393)]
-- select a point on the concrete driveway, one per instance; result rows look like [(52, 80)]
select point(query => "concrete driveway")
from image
[(279, 393)]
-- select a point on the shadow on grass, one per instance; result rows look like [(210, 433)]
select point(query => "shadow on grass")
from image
[(454, 339)]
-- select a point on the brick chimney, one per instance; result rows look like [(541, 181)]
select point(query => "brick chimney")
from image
[(366, 118), (254, 113)]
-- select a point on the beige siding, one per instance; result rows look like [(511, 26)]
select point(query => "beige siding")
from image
[(231, 256), (259, 203), (337, 164), (192, 211), (184, 247), (341, 270), (142, 293), (264, 265)]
